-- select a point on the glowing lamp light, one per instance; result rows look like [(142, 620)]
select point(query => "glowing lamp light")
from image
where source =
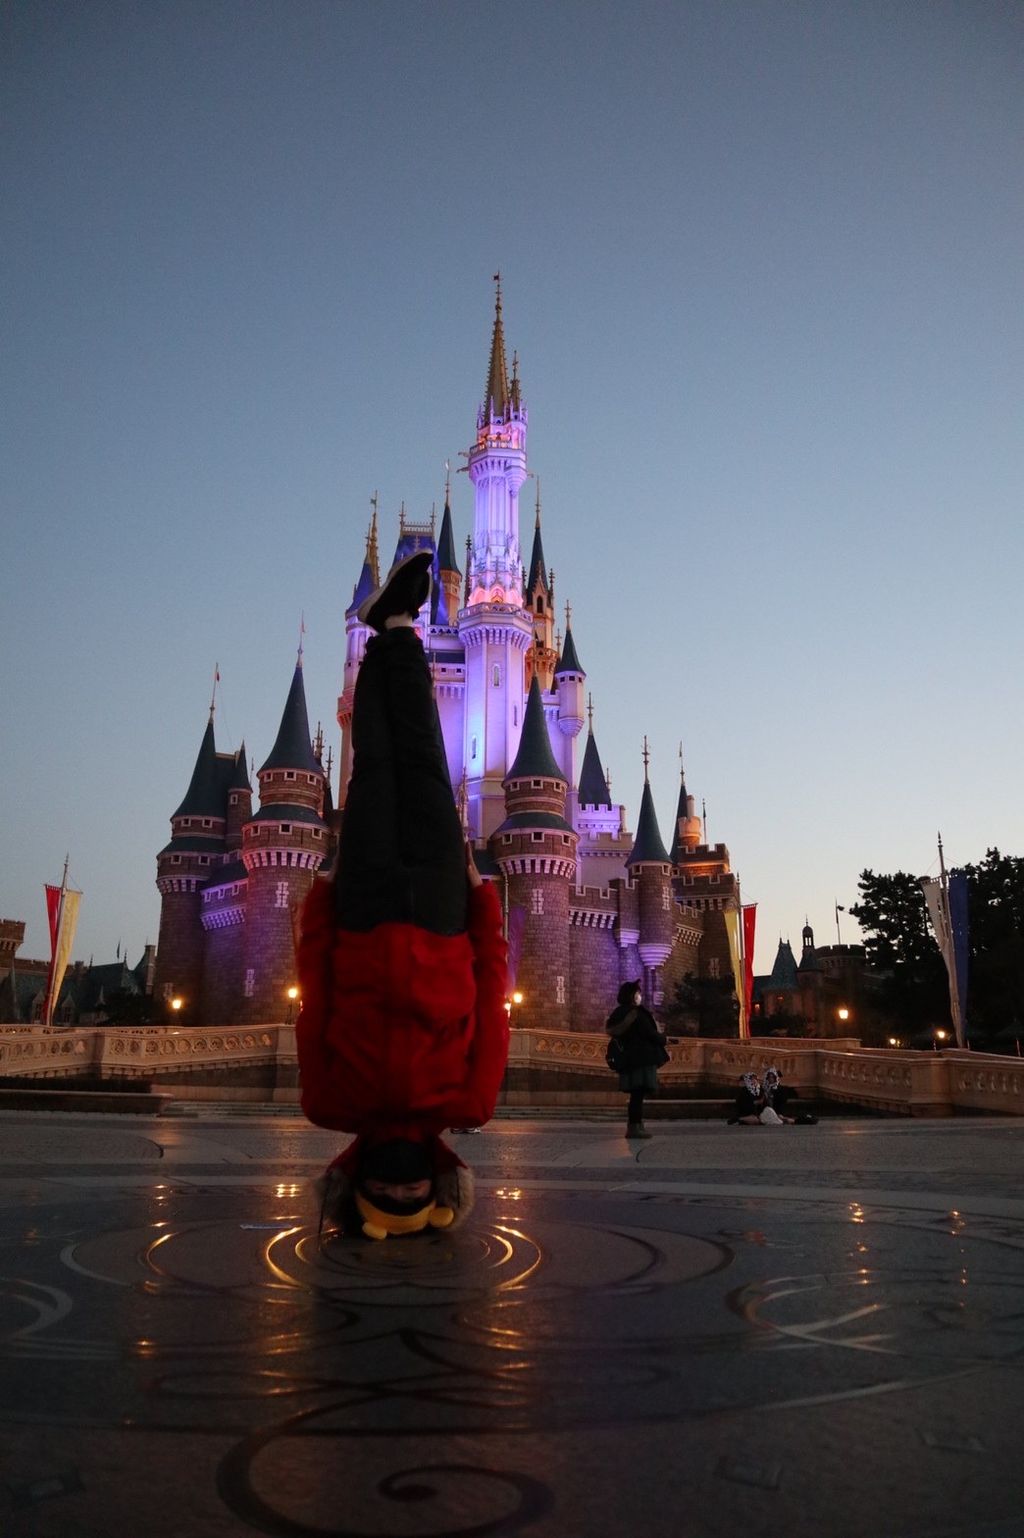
[(843, 1013), (293, 993), (517, 998), (940, 1035), (176, 1004)]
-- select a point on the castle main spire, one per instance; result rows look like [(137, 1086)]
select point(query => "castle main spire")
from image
[(497, 395)]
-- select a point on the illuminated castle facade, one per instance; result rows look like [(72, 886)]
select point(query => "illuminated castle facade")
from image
[(591, 905)]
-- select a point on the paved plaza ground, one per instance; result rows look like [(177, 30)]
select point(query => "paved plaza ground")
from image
[(721, 1331)]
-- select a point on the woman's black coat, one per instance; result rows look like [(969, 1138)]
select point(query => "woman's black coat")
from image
[(637, 1031)]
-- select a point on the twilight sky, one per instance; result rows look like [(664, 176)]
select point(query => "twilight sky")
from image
[(762, 265)]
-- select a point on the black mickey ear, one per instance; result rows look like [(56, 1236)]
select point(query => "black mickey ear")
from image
[(456, 1188)]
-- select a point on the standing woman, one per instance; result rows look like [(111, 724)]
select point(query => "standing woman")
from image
[(636, 1050)]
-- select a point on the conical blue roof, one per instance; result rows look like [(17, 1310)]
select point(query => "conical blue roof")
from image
[(363, 588), (240, 777), (648, 847), (538, 569), (593, 789), (535, 759), (446, 544), (292, 748), (204, 797), (682, 810), (784, 974), (568, 662)]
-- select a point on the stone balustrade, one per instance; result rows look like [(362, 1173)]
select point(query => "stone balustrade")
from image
[(902, 1082)]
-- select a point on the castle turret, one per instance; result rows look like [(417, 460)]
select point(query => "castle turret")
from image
[(283, 846), (356, 637), (649, 866), (540, 600), (687, 831), (445, 607), (198, 843), (494, 628), (535, 849), (239, 801), (569, 680)]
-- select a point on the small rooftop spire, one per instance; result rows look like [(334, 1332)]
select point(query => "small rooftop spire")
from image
[(647, 759), (372, 555), (590, 712), (213, 691), (302, 632), (536, 523)]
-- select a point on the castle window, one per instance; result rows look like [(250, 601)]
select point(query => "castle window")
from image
[(175, 859), (565, 838), (311, 779), (289, 774), (714, 968), (318, 832), (250, 982), (540, 604), (286, 827), (515, 715), (538, 838), (207, 822), (506, 838), (496, 676), (186, 822), (666, 899), (281, 895), (559, 990), (204, 859), (537, 900), (473, 749), (536, 784)]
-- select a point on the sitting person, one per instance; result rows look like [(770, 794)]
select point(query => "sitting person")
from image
[(403, 1031), (763, 1102)]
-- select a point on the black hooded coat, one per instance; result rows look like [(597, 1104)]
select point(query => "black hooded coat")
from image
[(636, 1031)]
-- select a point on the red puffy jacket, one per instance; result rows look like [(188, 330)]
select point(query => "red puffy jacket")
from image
[(402, 1032)]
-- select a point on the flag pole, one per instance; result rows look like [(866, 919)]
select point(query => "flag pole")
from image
[(743, 1022), (954, 981), (49, 1002)]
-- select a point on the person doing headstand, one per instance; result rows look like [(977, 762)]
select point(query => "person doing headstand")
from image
[(403, 1031)]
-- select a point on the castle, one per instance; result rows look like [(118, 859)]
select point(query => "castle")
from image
[(594, 905)]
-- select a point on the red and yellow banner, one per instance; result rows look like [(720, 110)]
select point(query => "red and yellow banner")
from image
[(63, 917)]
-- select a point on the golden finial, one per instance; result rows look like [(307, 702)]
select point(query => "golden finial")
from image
[(497, 293), (568, 613)]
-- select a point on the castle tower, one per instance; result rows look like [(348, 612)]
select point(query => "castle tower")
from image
[(535, 850), (283, 846), (198, 843), (494, 627), (687, 833), (569, 679), (356, 637), (650, 868), (540, 600), (604, 845), (448, 577), (239, 802)]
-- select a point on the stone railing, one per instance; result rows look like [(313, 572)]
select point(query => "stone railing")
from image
[(149, 1052), (907, 1083)]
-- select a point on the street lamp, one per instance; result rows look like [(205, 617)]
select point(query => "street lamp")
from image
[(843, 1013), (292, 994), (940, 1035), (894, 1041), (513, 1001), (176, 1004)]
